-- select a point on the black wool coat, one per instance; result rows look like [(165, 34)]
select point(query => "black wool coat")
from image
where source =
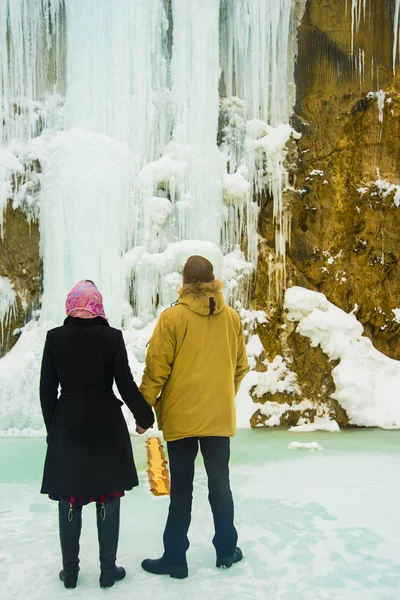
[(89, 450)]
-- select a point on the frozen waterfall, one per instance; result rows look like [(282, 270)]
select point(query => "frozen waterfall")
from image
[(142, 116)]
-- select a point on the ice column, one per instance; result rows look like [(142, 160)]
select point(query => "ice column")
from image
[(117, 72), (195, 76), (31, 65), (116, 119), (256, 56), (8, 300), (181, 192), (84, 212), (396, 32), (258, 41), (358, 8)]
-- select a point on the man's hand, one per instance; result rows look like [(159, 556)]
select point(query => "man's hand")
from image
[(140, 430)]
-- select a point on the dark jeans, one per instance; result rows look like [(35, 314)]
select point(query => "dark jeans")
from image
[(182, 454)]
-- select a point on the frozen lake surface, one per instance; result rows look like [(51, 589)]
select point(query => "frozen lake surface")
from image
[(312, 525)]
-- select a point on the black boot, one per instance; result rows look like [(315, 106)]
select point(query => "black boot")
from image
[(108, 533), (228, 561), (70, 525), (159, 566)]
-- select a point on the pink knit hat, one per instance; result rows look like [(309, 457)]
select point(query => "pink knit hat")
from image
[(85, 301)]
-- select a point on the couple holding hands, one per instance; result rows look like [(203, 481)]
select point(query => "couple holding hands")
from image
[(195, 361)]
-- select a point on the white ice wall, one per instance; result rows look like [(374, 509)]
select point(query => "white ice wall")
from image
[(121, 107)]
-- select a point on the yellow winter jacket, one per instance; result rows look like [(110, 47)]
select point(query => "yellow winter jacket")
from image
[(196, 358)]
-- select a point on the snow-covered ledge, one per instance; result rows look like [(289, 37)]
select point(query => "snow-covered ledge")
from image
[(367, 382)]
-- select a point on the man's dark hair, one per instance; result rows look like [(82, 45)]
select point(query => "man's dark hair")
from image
[(198, 268)]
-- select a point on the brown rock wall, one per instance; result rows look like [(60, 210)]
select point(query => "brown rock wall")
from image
[(344, 243), (21, 263)]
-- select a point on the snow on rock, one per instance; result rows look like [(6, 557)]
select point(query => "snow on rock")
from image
[(380, 97), (236, 274), (236, 188), (160, 209), (7, 297), (164, 172), (277, 378), (367, 381), (7, 302), (254, 346), (250, 318), (396, 312), (313, 446), (9, 164), (272, 140), (383, 189), (319, 424), (274, 410), (235, 265), (19, 376), (245, 407), (266, 148), (257, 129)]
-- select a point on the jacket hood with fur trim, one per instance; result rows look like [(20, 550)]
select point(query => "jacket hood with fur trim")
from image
[(203, 298)]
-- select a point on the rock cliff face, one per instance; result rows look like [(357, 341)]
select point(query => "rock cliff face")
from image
[(345, 238), (21, 264)]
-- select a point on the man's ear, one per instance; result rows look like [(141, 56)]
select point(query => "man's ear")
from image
[(213, 277)]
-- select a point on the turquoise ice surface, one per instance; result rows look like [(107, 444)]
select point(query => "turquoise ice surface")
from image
[(312, 525)]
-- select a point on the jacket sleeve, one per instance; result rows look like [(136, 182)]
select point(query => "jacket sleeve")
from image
[(159, 360), (242, 365), (128, 389), (48, 388)]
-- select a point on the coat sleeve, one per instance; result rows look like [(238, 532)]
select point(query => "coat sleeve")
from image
[(242, 365), (48, 388), (128, 389), (159, 360)]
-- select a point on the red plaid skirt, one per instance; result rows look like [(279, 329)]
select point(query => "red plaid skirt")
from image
[(82, 500)]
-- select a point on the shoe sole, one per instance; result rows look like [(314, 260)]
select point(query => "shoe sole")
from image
[(174, 572)]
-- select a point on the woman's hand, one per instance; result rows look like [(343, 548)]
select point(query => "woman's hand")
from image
[(140, 430)]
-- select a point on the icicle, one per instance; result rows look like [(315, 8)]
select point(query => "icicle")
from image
[(8, 306), (190, 172), (84, 214), (117, 72), (358, 8), (257, 65), (361, 65), (195, 77), (258, 38), (396, 31), (27, 33), (380, 98), (92, 204)]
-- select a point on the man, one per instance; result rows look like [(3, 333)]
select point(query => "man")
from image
[(196, 358)]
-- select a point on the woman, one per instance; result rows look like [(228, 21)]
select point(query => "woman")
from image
[(89, 456)]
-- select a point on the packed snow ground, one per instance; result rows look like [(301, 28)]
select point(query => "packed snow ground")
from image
[(312, 525)]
